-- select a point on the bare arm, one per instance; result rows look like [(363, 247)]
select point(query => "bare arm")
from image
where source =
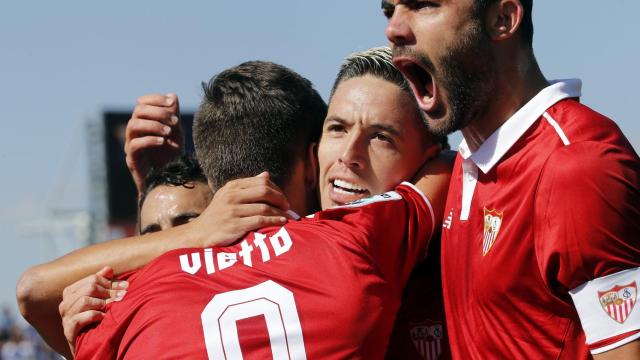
[(628, 351), (433, 180), (240, 206)]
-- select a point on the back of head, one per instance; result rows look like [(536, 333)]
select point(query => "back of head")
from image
[(254, 117), (178, 172), (377, 62)]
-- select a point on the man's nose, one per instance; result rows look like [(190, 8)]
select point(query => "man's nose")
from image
[(398, 29), (353, 153)]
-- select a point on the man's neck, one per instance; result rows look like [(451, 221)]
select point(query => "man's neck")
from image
[(517, 82)]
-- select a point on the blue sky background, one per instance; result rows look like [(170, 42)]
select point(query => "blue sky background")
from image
[(61, 63)]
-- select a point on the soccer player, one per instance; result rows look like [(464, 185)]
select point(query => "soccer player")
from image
[(335, 277), (172, 194), (540, 244)]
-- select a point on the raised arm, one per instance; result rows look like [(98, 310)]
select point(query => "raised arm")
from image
[(153, 136)]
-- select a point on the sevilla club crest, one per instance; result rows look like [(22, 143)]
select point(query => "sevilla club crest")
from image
[(427, 338), (618, 302), (492, 224)]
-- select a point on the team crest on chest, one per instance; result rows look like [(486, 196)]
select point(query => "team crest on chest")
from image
[(618, 302), (427, 339), (492, 225)]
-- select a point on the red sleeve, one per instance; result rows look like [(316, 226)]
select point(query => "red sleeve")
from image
[(394, 229), (102, 344), (587, 212)]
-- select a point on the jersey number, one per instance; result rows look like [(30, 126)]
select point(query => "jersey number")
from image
[(269, 299)]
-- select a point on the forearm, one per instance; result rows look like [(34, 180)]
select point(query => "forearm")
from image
[(433, 180), (40, 288)]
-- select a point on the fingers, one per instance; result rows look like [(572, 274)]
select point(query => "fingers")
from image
[(91, 292), (84, 301), (262, 209), (89, 282), (169, 101), (106, 272), (258, 189), (157, 113), (238, 227)]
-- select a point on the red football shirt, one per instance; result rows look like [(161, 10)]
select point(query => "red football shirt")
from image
[(419, 332), (325, 287), (548, 204)]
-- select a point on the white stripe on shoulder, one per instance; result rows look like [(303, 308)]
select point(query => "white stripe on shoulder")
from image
[(426, 200), (556, 126)]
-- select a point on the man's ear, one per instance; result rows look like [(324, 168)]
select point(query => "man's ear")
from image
[(213, 190), (311, 166), (503, 19)]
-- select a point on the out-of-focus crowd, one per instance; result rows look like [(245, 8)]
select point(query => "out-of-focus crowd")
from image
[(20, 341)]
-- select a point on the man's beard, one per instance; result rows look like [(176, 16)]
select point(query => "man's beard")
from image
[(467, 75)]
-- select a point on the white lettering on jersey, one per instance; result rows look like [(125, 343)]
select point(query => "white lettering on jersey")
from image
[(447, 222), (195, 263), (607, 308), (280, 243)]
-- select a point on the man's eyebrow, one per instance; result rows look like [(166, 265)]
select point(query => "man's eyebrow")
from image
[(149, 228), (390, 129), (336, 119), (186, 216), (379, 126)]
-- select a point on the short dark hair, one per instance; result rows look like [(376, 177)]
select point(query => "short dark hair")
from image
[(181, 171), (526, 27), (378, 62), (254, 117)]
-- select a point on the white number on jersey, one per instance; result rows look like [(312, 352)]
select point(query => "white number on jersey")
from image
[(269, 299)]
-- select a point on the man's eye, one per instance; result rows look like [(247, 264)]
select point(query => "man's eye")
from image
[(335, 128), (382, 137), (417, 5), (387, 9)]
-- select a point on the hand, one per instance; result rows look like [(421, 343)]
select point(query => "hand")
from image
[(238, 207), (84, 302), (153, 136)]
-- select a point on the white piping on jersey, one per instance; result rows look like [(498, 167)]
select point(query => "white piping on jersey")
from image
[(499, 143), (615, 344), (556, 126), (426, 200)]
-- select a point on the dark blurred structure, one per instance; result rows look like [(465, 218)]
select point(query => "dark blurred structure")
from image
[(113, 192)]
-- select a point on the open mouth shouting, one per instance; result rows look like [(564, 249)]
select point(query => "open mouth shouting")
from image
[(421, 81), (342, 191)]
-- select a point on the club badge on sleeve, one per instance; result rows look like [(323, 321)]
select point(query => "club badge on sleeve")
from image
[(492, 224), (427, 337), (618, 302)]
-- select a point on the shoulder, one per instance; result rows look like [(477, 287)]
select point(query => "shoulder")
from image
[(576, 122)]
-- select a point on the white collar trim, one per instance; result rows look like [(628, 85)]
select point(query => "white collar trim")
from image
[(494, 148)]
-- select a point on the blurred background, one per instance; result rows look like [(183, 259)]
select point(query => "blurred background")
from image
[(68, 68)]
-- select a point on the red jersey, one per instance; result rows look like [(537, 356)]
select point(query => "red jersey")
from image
[(553, 208), (325, 287), (419, 332)]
